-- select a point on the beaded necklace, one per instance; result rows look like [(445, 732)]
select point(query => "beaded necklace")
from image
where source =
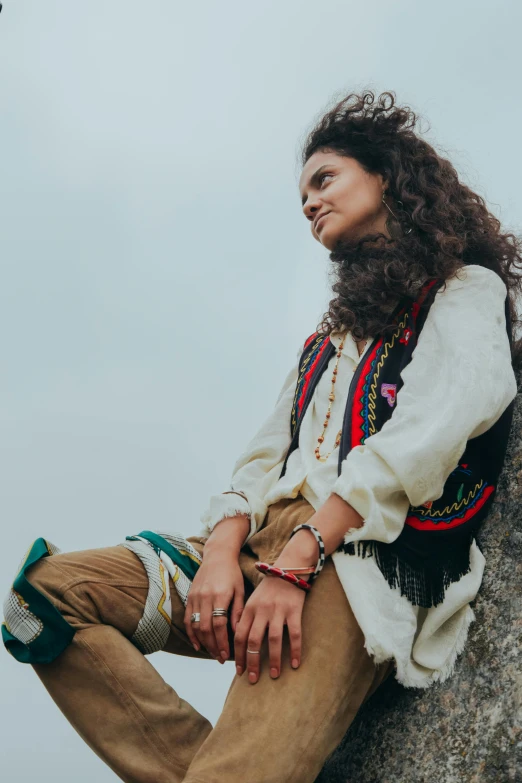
[(331, 398)]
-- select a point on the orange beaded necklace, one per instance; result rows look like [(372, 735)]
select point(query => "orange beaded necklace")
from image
[(331, 398)]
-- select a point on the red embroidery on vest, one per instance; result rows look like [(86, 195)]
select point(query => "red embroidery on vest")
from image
[(477, 501), (406, 335), (310, 373), (309, 340), (389, 392)]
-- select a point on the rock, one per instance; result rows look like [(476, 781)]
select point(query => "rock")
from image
[(469, 728)]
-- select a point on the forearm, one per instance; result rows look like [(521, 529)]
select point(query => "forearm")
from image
[(228, 536), (332, 520)]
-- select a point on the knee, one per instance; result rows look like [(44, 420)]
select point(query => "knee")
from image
[(45, 578), (34, 630)]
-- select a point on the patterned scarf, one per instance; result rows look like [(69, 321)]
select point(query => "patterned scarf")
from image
[(34, 631)]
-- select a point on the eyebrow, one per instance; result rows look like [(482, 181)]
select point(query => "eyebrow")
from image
[(314, 179)]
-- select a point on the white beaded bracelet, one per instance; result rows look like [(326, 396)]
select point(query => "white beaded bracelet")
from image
[(320, 542)]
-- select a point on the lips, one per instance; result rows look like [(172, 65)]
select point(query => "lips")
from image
[(320, 219)]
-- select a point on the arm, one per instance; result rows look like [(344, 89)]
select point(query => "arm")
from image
[(457, 385), (227, 538)]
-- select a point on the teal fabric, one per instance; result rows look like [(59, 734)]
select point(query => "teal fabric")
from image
[(187, 565), (56, 634)]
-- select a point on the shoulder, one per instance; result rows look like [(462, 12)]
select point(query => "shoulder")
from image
[(473, 280), (309, 340), (471, 306)]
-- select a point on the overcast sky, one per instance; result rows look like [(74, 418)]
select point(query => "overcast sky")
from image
[(158, 275)]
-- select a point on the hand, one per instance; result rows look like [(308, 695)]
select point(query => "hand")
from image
[(273, 604), (217, 584)]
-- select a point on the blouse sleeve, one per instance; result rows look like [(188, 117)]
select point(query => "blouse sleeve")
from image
[(257, 469), (457, 385)]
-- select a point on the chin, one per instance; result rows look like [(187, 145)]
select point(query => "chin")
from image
[(328, 239), (333, 231)]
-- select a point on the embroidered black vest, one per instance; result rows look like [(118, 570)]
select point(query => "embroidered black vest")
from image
[(433, 549)]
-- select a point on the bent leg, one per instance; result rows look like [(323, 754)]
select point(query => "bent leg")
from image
[(284, 729), (108, 690)]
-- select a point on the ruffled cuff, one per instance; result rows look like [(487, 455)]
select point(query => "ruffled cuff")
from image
[(228, 504), (371, 487)]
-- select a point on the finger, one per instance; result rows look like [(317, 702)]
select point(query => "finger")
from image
[(275, 644), (195, 626), (221, 633), (237, 606), (240, 640), (189, 626), (294, 633), (253, 653), (206, 626)]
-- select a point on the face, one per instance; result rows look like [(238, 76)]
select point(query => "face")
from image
[(349, 198)]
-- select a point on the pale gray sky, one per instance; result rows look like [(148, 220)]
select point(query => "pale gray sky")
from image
[(157, 273)]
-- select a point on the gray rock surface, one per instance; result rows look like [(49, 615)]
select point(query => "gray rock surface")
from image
[(468, 729)]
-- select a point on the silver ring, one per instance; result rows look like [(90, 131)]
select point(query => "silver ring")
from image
[(220, 613), (195, 618), (253, 652)]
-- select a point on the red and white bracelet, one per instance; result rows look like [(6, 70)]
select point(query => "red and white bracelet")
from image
[(287, 575)]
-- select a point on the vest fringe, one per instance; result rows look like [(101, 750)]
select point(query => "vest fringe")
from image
[(424, 587)]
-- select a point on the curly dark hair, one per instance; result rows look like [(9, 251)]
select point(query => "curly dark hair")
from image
[(451, 225)]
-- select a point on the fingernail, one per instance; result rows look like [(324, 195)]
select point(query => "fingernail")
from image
[(295, 663), (224, 655), (196, 647), (239, 671), (252, 677), (273, 673)]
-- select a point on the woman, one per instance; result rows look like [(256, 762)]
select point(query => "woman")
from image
[(344, 550)]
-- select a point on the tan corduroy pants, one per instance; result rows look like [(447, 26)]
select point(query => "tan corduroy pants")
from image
[(276, 731)]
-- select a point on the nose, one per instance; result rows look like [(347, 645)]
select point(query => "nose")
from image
[(310, 208)]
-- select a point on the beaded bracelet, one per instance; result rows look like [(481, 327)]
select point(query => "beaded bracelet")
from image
[(265, 568), (320, 542)]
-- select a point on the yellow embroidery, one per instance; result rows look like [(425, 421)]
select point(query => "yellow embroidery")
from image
[(454, 506), (300, 378), (372, 394)]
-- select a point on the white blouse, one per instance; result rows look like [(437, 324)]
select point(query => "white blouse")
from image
[(457, 385)]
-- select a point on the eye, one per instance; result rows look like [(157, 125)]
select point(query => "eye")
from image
[(323, 175)]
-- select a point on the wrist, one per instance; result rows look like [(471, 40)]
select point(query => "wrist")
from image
[(227, 537), (221, 553), (301, 550)]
